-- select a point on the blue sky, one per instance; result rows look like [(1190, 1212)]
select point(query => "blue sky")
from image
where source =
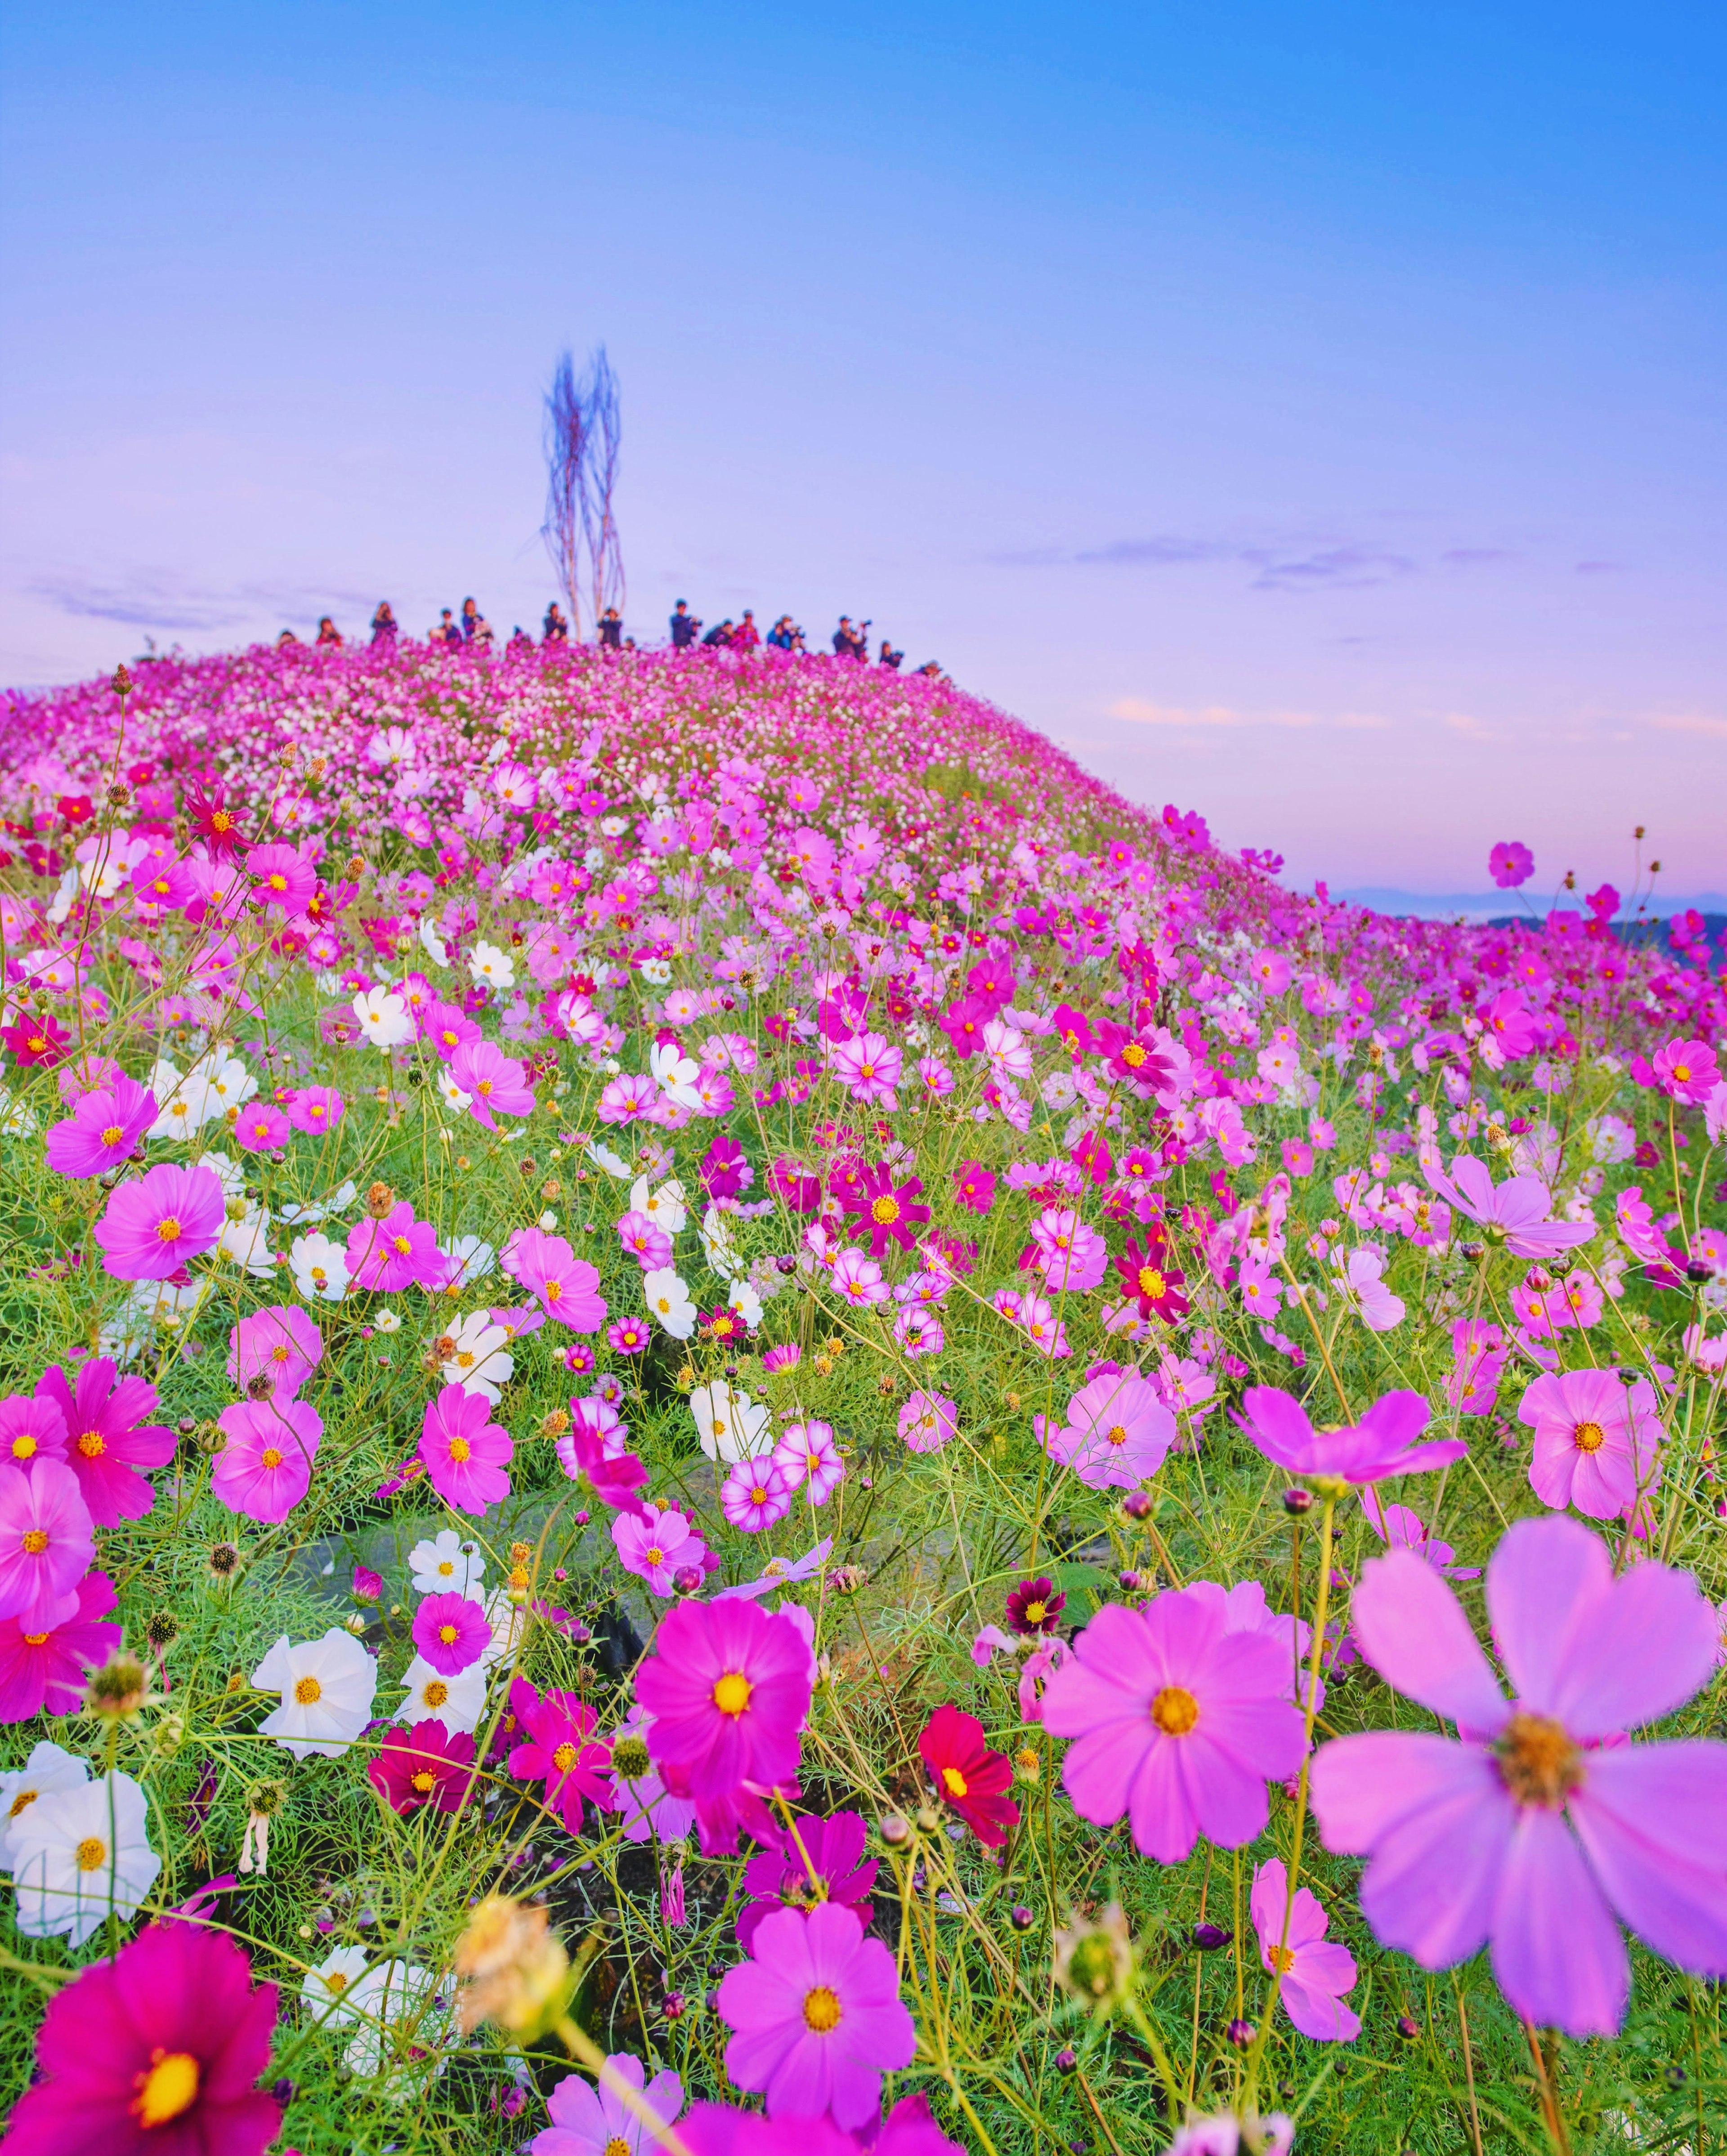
[(1314, 416)]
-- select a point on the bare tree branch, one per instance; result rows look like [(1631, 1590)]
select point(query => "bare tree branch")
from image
[(565, 528)]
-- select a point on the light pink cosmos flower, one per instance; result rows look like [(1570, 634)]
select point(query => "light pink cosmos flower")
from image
[(280, 1343), (586, 2121), (629, 1099), (816, 2017), (1381, 1311), (1596, 1441), (1179, 1723), (1537, 1828), (567, 1286), (1514, 1212), (1035, 1317), (927, 1421), (1117, 1434), (154, 1223), (755, 1494), (103, 1130), (646, 1241), (868, 1067), (264, 1467), (465, 1451), (857, 1280), (47, 1543), (496, 1084), (1398, 1526), (808, 1456), (1071, 1257), (1687, 1070), (1382, 1443), (1317, 1971), (656, 1546), (919, 1332), (394, 1252)]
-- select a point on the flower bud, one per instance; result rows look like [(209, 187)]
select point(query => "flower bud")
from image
[(1297, 1501), (1138, 1504)]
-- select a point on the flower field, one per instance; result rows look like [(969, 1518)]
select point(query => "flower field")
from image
[(736, 1420)]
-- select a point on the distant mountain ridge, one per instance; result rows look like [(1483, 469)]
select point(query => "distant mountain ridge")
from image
[(1484, 906)]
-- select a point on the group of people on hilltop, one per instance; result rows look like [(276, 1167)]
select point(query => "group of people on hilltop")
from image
[(851, 640)]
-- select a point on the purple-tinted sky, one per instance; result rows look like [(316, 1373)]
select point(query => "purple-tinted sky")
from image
[(1312, 416)]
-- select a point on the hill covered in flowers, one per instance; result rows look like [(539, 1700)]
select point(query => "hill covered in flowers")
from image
[(735, 1414)]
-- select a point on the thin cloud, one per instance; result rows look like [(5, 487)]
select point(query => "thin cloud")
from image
[(1690, 722), (165, 602), (1346, 566), (1470, 727), (1599, 568), (1212, 717)]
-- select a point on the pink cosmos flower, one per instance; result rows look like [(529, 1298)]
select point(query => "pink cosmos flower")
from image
[(629, 1099), (280, 876), (816, 2017), (857, 1280), (1245, 1609), (313, 1109), (1116, 1434), (280, 1343), (1400, 1528), (1687, 1070), (1537, 1828), (557, 1747), (656, 1546), (44, 1670), (822, 1862), (646, 1240), (728, 1685), (31, 1429), (1181, 1723), (154, 1223), (103, 1130), (160, 2048), (264, 1468), (808, 1456), (918, 1332), (104, 1445), (395, 1252), (586, 2121), (446, 1026), (1317, 1971), (974, 1186), (755, 1495), (927, 1422), (1514, 1212), (1072, 1257), (567, 1286), (1382, 1443), (47, 1542), (262, 1127), (451, 1632), (465, 1451), (1596, 1443), (869, 1068), (1510, 863), (643, 1805), (1047, 1333), (496, 1084)]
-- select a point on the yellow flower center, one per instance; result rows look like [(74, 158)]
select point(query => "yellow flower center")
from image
[(1175, 1709), (460, 1451), (308, 1692), (424, 1781), (955, 1783), (1132, 1055), (91, 1445), (112, 1135), (1152, 1283), (446, 1633), (1538, 1762), (168, 1229), (554, 1291), (1035, 1612), (92, 1853), (564, 1758), (885, 1210), (271, 1456), (731, 1694), (24, 1445), (35, 1540), (1589, 1437), (435, 1693), (1281, 1959), (36, 1639), (617, 2146), (821, 2009), (403, 1247), (1116, 1434), (169, 2088)]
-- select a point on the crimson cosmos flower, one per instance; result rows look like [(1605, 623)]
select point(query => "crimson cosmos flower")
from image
[(890, 1213), (1034, 1607), (213, 821), (1151, 1280), (423, 1765), (967, 1775)]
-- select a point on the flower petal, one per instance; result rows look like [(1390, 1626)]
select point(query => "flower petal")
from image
[(1412, 1629), (1557, 1952)]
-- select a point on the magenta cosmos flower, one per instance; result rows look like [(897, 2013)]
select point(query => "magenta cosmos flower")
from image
[(103, 1130), (824, 1862), (755, 1494), (44, 1670), (655, 1545), (280, 1343), (557, 1747), (1510, 863), (1597, 1442), (1179, 1723), (47, 1542), (927, 1421), (594, 2121), (1686, 1069), (154, 1224), (1539, 1827), (1116, 1434), (465, 1451), (568, 1286), (729, 1687), (1317, 1971), (427, 1764), (451, 1632), (495, 1083), (30, 1429), (395, 1252), (156, 2053), (1514, 1212), (107, 1439), (265, 1469), (1382, 1443), (816, 2017)]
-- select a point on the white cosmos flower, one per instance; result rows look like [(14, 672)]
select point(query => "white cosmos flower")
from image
[(665, 1207), (717, 1247), (319, 1268), (603, 1156), (669, 1302), (674, 1074), (400, 2014), (487, 962), (454, 1097), (457, 1701), (328, 1686), (306, 1213), (48, 1768), (432, 944), (247, 1242), (730, 1424), (383, 1018), (387, 1321), (327, 1988), (479, 1361), (78, 1852), (391, 746), (445, 1564), (473, 1257), (745, 1301)]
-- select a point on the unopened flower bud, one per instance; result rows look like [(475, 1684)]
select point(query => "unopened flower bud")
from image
[(118, 1689), (1138, 1504), (1240, 2033), (1297, 1501), (687, 1579), (896, 1831)]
